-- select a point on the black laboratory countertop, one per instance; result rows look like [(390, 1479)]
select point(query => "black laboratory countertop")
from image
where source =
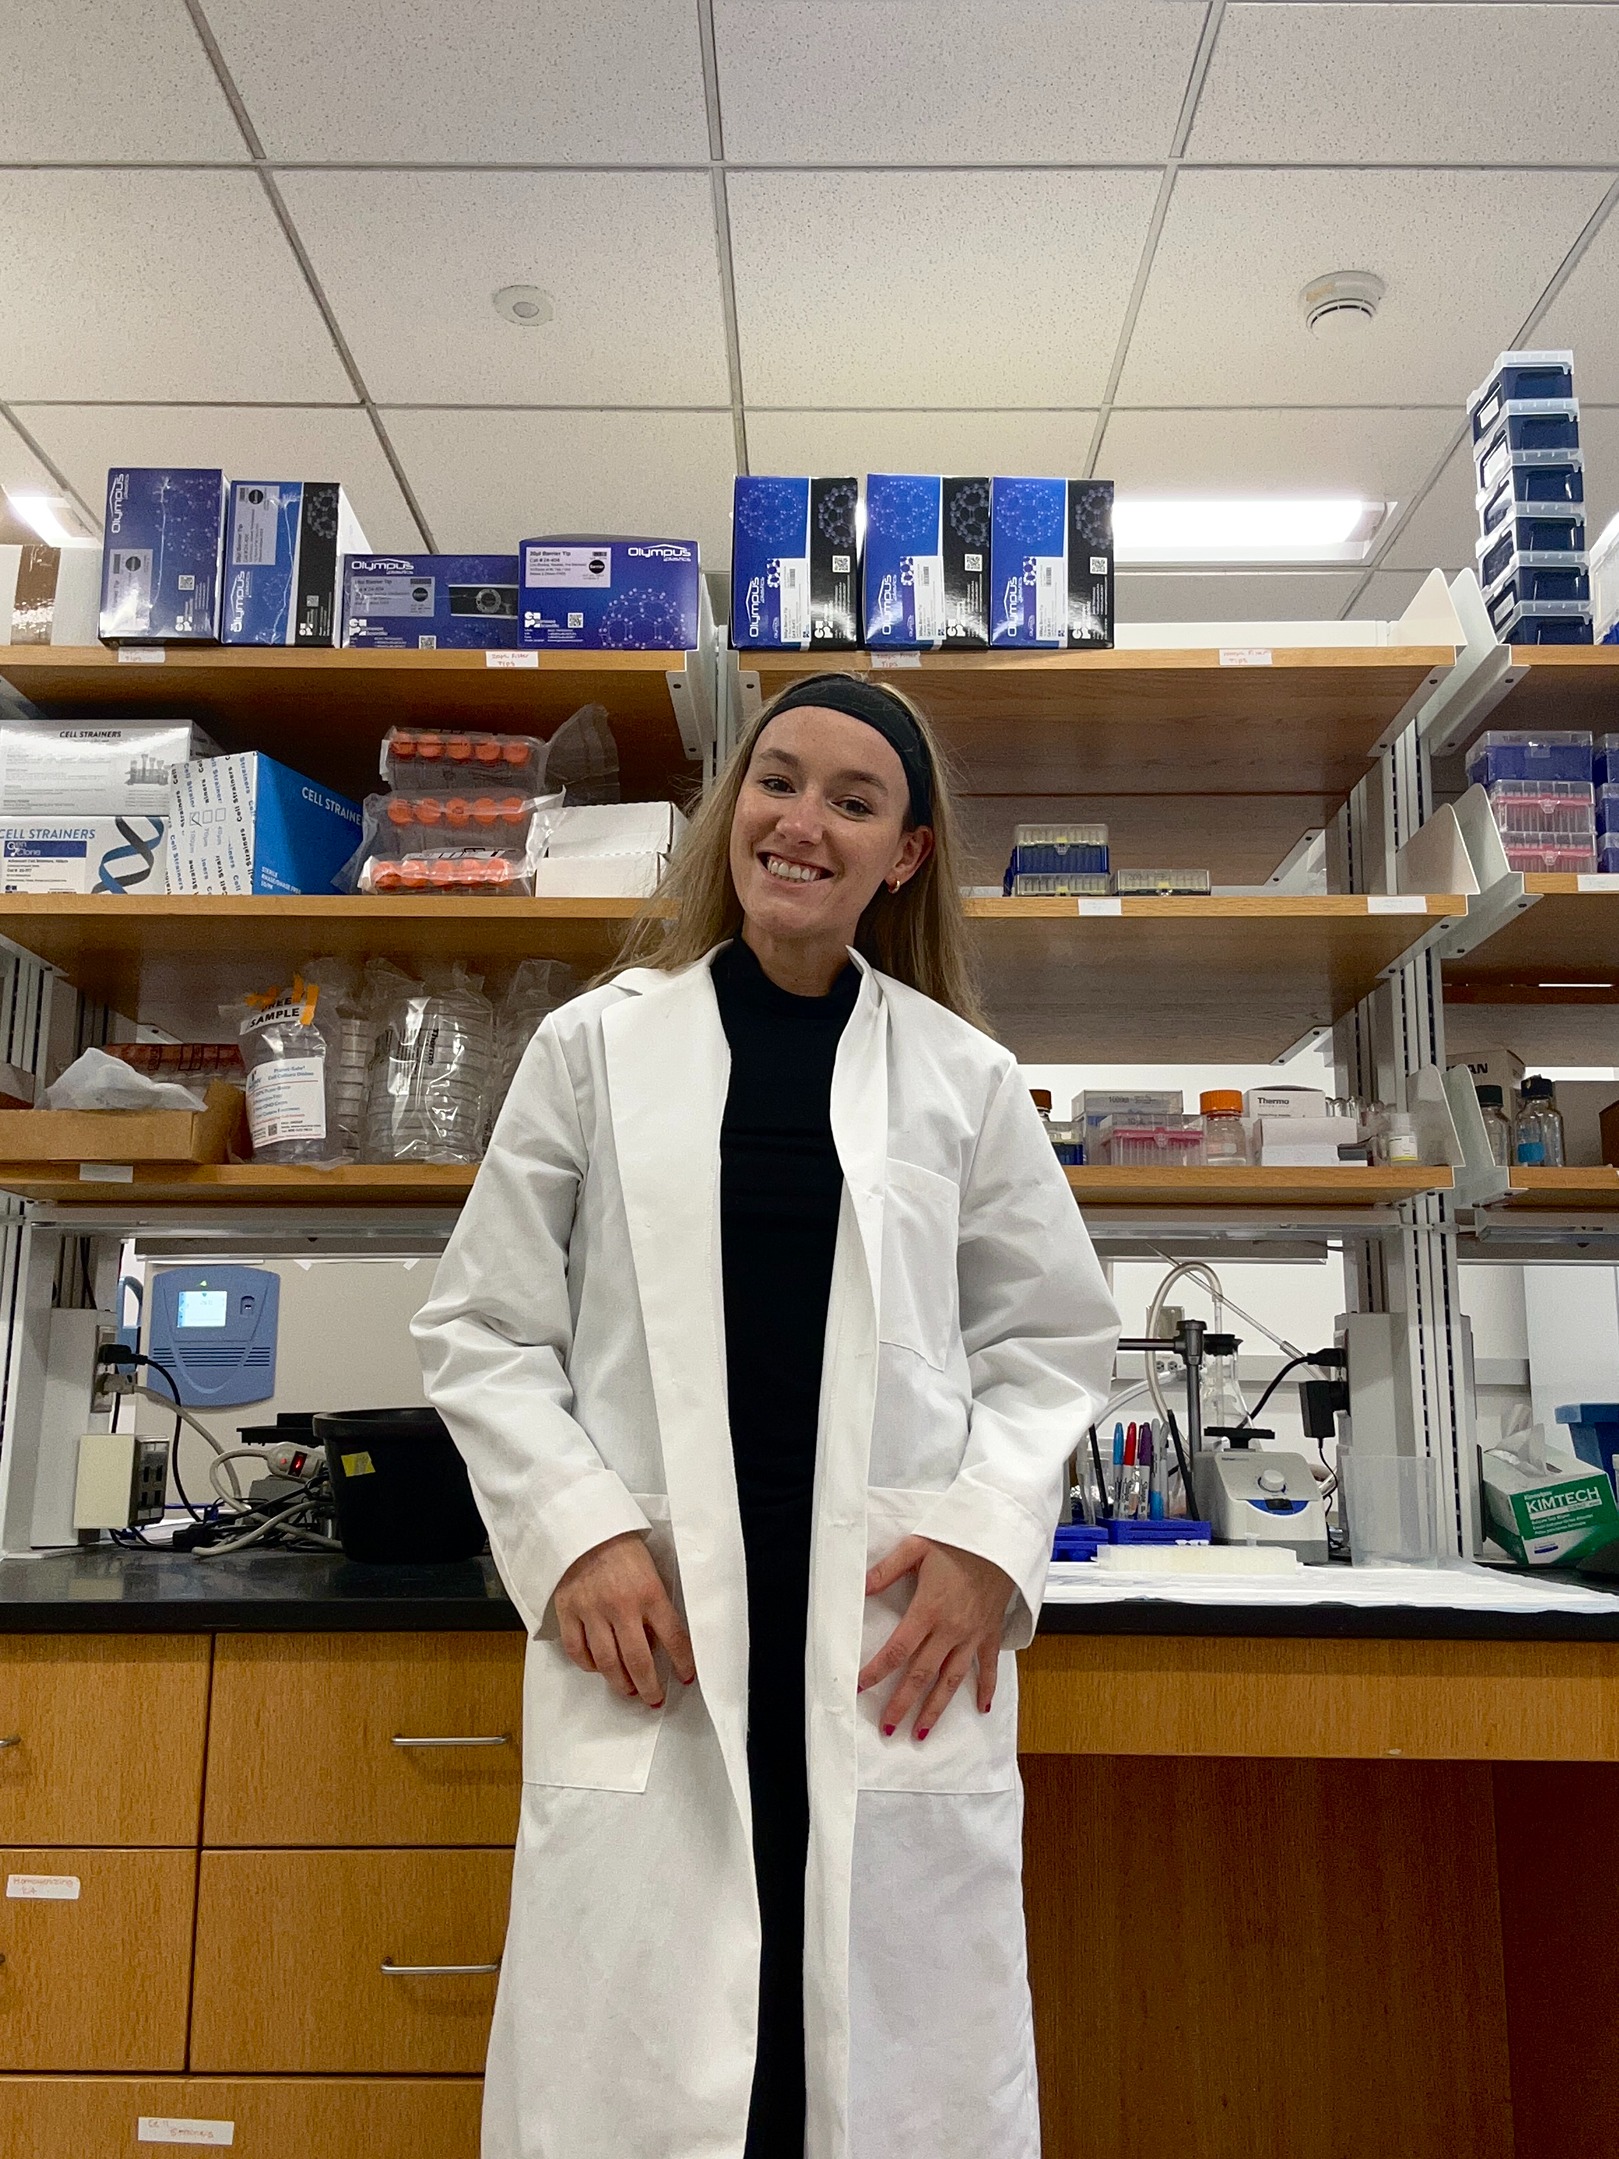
[(127, 1592)]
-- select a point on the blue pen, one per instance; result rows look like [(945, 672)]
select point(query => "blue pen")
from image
[(1116, 1490)]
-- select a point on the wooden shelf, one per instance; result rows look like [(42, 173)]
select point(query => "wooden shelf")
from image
[(1563, 1191), (1100, 1187), (1546, 983), (1237, 980), (211, 1186), (1563, 686), (325, 713), (1143, 739)]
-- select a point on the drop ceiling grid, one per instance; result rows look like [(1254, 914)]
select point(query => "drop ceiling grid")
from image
[(1134, 215)]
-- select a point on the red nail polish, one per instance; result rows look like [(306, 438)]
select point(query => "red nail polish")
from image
[(923, 1733), (690, 1682), (888, 1731)]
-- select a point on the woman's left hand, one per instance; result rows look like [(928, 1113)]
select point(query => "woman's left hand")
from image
[(954, 1620)]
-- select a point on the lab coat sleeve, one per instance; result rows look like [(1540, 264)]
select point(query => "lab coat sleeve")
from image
[(1039, 1328), (495, 1335)]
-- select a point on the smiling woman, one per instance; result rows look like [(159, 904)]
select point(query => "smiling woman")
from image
[(766, 1333)]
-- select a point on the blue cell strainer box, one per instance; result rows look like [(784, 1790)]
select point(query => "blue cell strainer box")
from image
[(245, 824), (286, 542), (160, 557), (612, 594), (431, 603), (795, 563)]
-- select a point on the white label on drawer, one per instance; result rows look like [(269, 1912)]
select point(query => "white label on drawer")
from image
[(62, 1887), (511, 659), (141, 656), (106, 1173), (1099, 906), (1596, 881), (1245, 656), (895, 659), (1396, 903), (173, 2129)]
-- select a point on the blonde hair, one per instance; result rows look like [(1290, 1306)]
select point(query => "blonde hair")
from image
[(917, 934)]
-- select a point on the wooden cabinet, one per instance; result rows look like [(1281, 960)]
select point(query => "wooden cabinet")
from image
[(298, 1956), (365, 1739), (266, 2117), (101, 1738), (97, 1960)]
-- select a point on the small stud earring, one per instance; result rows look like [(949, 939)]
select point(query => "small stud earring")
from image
[(893, 884)]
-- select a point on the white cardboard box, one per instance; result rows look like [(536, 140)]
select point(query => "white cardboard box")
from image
[(87, 854), (613, 828), (598, 877), (92, 768), (1275, 1102)]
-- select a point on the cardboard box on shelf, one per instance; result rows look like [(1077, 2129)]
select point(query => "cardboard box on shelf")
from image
[(427, 603), (49, 595), (88, 854), (1276, 1102), (160, 561), (598, 877), (612, 828), (612, 594), (240, 825), (925, 581), (286, 543), (92, 768), (1051, 563), (795, 564)]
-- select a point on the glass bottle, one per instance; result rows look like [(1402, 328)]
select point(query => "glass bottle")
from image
[(1224, 1140), (1497, 1125), (1223, 1411), (1540, 1126)]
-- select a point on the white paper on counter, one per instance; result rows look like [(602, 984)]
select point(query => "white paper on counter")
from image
[(1461, 1588)]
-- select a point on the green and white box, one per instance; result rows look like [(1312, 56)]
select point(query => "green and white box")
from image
[(1557, 1517)]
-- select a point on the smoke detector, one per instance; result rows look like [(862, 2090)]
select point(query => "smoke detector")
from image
[(525, 305), (1343, 302)]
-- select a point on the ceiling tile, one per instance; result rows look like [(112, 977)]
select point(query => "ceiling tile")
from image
[(1432, 85), (1585, 316), (152, 284), (1464, 257), (1360, 449), (985, 442), (80, 80), (1233, 595), (254, 442), (953, 82), (409, 263), (948, 288), (504, 82), (20, 468), (489, 479), (1444, 524)]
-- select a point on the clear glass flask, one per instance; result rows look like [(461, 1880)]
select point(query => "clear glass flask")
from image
[(1497, 1125), (1539, 1141), (1224, 1140)]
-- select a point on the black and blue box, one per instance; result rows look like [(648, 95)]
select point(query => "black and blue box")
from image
[(1533, 488), (160, 559), (927, 561), (1051, 563), (795, 564), (612, 594), (425, 603), (1527, 434), (1522, 379), (286, 542)]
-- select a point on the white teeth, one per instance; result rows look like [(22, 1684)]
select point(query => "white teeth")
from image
[(798, 873)]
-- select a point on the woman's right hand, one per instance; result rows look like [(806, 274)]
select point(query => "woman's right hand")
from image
[(614, 1611)]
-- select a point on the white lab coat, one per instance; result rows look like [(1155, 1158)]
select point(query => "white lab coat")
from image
[(575, 1344)]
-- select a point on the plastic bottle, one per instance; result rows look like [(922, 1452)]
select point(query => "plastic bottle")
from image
[(1540, 1126), (1497, 1125), (1397, 1141), (1224, 1140)]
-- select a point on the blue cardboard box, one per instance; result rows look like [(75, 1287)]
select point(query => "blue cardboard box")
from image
[(431, 602), (285, 546), (613, 593), (160, 556), (245, 824), (1051, 571), (795, 564), (927, 561)]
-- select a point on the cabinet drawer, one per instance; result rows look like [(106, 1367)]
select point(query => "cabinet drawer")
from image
[(101, 1737), (290, 1950), (97, 1975), (269, 2118), (304, 1741)]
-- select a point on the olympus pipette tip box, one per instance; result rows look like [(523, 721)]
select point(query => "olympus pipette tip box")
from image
[(1261, 1496)]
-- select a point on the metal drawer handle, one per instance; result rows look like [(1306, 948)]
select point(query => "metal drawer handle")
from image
[(15, 1740), (436, 1971), (495, 1739)]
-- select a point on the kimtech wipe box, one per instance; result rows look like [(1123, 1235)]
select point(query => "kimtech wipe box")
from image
[(431, 602), (1051, 563), (160, 555), (613, 593), (795, 564), (240, 825), (925, 578), (286, 542)]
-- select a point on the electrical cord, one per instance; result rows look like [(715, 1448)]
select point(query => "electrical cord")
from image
[(1308, 1356)]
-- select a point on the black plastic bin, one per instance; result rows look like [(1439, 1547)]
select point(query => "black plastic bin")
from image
[(402, 1492)]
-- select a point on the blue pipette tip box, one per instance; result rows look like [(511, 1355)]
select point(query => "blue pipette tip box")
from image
[(1170, 1531)]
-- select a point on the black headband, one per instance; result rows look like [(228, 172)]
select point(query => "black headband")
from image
[(879, 708)]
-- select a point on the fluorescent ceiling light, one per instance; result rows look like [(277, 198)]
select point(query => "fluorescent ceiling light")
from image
[(53, 517), (1257, 530)]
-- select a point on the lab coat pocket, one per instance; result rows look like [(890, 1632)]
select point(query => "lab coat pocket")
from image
[(921, 1220), (966, 1751), (576, 1730)]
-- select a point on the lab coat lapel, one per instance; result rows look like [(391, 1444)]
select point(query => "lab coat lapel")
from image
[(668, 1070)]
